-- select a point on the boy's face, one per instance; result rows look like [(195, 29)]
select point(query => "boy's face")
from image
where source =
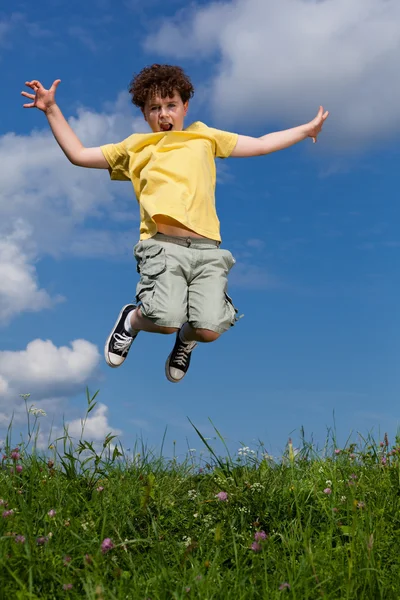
[(164, 114)]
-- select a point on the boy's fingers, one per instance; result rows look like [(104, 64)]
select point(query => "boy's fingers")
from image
[(32, 96), (55, 85), (31, 105)]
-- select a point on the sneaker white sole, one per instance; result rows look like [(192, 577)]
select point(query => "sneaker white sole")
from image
[(168, 375), (108, 354)]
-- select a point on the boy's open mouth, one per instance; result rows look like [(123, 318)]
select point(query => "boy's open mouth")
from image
[(165, 126)]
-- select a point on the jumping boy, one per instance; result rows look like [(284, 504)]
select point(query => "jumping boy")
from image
[(183, 271)]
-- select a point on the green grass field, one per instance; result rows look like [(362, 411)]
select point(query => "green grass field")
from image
[(82, 522)]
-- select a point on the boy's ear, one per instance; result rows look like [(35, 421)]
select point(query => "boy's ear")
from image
[(186, 106), (144, 115)]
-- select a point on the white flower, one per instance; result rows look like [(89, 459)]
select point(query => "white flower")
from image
[(328, 482), (187, 540), (343, 499), (37, 412), (192, 494), (256, 487)]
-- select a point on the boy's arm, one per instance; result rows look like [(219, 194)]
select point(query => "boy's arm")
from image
[(272, 142), (68, 141)]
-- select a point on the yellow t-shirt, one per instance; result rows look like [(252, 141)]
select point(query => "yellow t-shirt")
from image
[(173, 173)]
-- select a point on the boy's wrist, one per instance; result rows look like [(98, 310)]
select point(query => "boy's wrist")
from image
[(306, 130), (50, 109)]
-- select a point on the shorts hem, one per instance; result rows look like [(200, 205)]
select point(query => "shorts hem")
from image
[(163, 323), (210, 326)]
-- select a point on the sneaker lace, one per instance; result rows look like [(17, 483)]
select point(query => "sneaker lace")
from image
[(182, 354), (122, 342)]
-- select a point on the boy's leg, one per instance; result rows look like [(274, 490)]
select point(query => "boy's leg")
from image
[(211, 311), (162, 294), (128, 324)]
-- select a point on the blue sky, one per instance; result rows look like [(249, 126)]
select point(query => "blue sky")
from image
[(314, 228)]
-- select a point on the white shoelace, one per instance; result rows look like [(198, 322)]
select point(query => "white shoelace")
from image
[(122, 342), (183, 353)]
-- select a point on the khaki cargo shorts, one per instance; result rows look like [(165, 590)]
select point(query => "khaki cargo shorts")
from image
[(185, 280)]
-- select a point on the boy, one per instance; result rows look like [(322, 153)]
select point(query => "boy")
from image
[(183, 270)]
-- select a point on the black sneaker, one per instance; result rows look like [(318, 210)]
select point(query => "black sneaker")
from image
[(119, 341), (178, 361)]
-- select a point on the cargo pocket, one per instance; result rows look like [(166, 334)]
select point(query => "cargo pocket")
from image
[(233, 311), (151, 264)]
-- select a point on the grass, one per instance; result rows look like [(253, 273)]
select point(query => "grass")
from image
[(83, 522)]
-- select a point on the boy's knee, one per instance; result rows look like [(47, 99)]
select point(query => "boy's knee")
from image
[(206, 335), (167, 330)]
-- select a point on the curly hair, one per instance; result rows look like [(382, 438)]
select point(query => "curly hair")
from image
[(160, 79)]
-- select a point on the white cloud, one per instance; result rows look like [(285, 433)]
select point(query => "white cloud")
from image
[(280, 60), (19, 289), (45, 203), (96, 426), (45, 370)]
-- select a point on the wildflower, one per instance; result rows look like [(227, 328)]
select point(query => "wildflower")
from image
[(37, 412), (67, 523), (42, 540), (106, 545), (19, 539), (88, 559), (353, 476), (327, 491), (360, 504), (67, 586), (284, 586), (222, 496), (337, 451), (256, 487), (343, 499), (352, 455), (328, 482), (52, 513), (260, 536), (7, 513), (50, 464), (335, 510), (66, 560), (192, 494), (381, 444), (384, 460), (187, 540), (15, 455), (3, 502), (19, 468), (100, 489), (256, 547), (187, 589)]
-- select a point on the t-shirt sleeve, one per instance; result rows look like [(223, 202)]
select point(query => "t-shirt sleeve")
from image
[(225, 142), (117, 157)]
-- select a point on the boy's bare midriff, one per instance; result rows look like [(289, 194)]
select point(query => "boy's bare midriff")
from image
[(169, 226)]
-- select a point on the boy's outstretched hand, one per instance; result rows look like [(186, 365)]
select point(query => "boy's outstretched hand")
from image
[(42, 99), (314, 127)]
